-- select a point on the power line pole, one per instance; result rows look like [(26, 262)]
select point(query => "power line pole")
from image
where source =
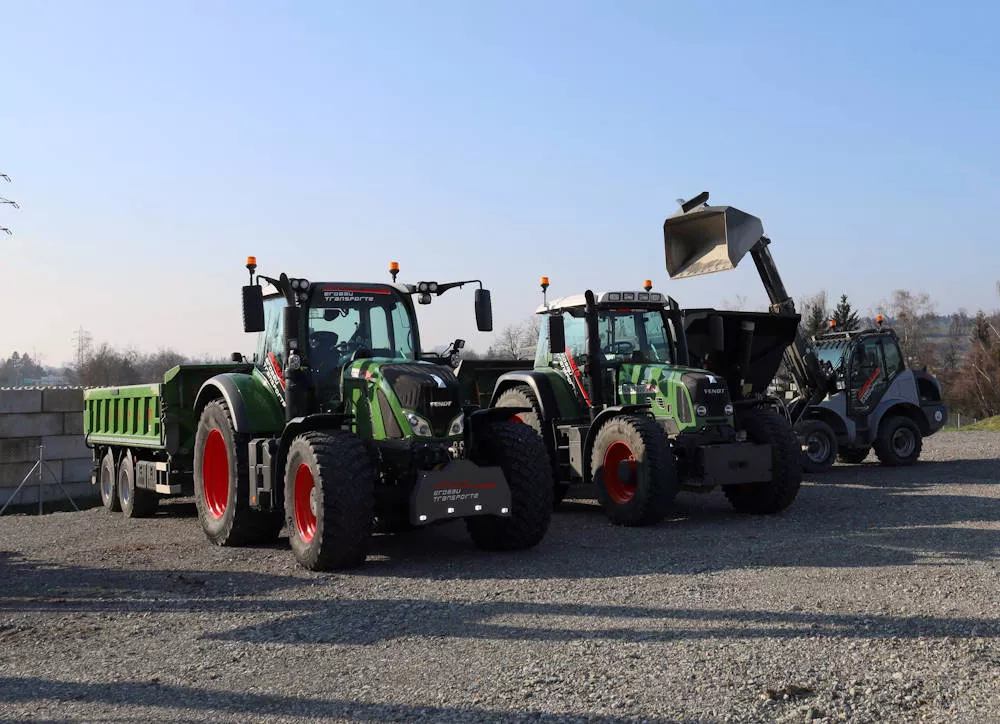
[(83, 339), (7, 202)]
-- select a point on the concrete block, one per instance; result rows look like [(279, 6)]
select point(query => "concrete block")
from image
[(62, 447), (62, 400), (72, 423), (11, 474), (77, 471), (20, 401), (33, 425), (19, 449)]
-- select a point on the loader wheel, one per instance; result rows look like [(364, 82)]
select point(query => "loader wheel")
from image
[(108, 483), (135, 502), (819, 445), (222, 483), (522, 396), (899, 441), (329, 499), (633, 469), (766, 427), (853, 455), (520, 453)]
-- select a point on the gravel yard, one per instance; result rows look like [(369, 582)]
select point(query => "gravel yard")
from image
[(874, 598)]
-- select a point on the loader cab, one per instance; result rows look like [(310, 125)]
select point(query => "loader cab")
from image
[(864, 363)]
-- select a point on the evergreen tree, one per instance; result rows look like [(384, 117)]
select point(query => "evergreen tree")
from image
[(845, 317)]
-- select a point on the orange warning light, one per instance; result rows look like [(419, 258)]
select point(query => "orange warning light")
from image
[(251, 261), (393, 266), (833, 323), (647, 285), (545, 282)]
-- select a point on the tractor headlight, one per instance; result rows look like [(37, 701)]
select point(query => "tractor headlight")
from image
[(420, 426), (457, 426), (701, 411), (728, 409), (614, 297)]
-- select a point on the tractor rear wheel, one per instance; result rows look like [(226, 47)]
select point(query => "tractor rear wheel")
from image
[(107, 481), (522, 396), (633, 469), (520, 453), (899, 441), (819, 445), (329, 499), (853, 455), (222, 482), (767, 427), (135, 502)]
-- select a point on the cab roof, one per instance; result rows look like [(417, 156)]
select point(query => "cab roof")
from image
[(641, 298)]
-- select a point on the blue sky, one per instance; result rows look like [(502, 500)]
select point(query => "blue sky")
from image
[(154, 145)]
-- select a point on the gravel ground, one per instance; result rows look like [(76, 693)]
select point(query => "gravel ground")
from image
[(874, 598)]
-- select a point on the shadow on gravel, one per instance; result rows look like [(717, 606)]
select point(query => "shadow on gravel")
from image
[(256, 706)]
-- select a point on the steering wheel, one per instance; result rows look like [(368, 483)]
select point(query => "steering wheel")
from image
[(619, 348)]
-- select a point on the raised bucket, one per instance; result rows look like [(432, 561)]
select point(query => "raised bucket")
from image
[(708, 239)]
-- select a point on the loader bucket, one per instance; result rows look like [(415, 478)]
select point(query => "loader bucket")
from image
[(708, 239)]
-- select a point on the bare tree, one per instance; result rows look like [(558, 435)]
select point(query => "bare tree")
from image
[(516, 341), (912, 318)]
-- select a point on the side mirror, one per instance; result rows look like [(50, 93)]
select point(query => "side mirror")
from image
[(458, 344), (484, 310), (557, 335), (253, 308), (717, 333), (237, 357)]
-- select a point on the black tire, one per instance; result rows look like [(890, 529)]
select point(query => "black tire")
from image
[(107, 481), (899, 441), (765, 426), (222, 483), (818, 444), (853, 455), (135, 502), (644, 492), (520, 453), (522, 396), (329, 500)]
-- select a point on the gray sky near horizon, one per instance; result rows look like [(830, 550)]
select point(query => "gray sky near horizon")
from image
[(153, 146)]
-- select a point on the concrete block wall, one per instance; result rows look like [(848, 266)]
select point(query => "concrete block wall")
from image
[(51, 417)]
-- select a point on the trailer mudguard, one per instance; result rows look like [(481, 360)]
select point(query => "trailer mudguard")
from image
[(255, 409)]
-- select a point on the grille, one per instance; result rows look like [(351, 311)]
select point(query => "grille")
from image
[(431, 391)]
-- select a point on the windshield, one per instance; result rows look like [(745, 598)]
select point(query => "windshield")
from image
[(831, 353), (351, 319), (634, 335)]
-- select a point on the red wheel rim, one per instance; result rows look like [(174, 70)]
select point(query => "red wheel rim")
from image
[(516, 418), (621, 491), (305, 519), (215, 474)]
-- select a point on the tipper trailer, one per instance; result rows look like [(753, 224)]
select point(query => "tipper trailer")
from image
[(340, 424)]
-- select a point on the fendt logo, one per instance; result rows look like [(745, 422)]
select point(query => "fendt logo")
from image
[(715, 390)]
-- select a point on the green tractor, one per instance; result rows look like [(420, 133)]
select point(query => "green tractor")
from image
[(614, 397), (338, 427)]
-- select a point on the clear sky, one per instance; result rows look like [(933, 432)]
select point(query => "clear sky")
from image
[(154, 145)]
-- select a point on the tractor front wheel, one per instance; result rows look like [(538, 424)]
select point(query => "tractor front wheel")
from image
[(633, 470), (767, 427), (329, 500), (819, 445), (522, 396), (520, 453)]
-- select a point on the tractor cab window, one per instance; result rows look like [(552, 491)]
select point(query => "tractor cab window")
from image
[(634, 335), (576, 333), (868, 377), (270, 342)]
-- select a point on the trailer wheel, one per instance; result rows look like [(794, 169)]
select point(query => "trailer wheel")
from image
[(135, 502), (522, 396), (819, 445), (853, 455), (520, 453), (222, 482), (633, 469), (767, 427), (108, 483), (899, 441), (329, 499)]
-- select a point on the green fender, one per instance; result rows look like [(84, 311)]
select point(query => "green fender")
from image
[(253, 405)]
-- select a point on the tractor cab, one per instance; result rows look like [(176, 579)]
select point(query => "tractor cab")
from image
[(861, 363)]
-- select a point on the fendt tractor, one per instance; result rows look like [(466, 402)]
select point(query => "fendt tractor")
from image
[(854, 389), (339, 426), (617, 404)]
